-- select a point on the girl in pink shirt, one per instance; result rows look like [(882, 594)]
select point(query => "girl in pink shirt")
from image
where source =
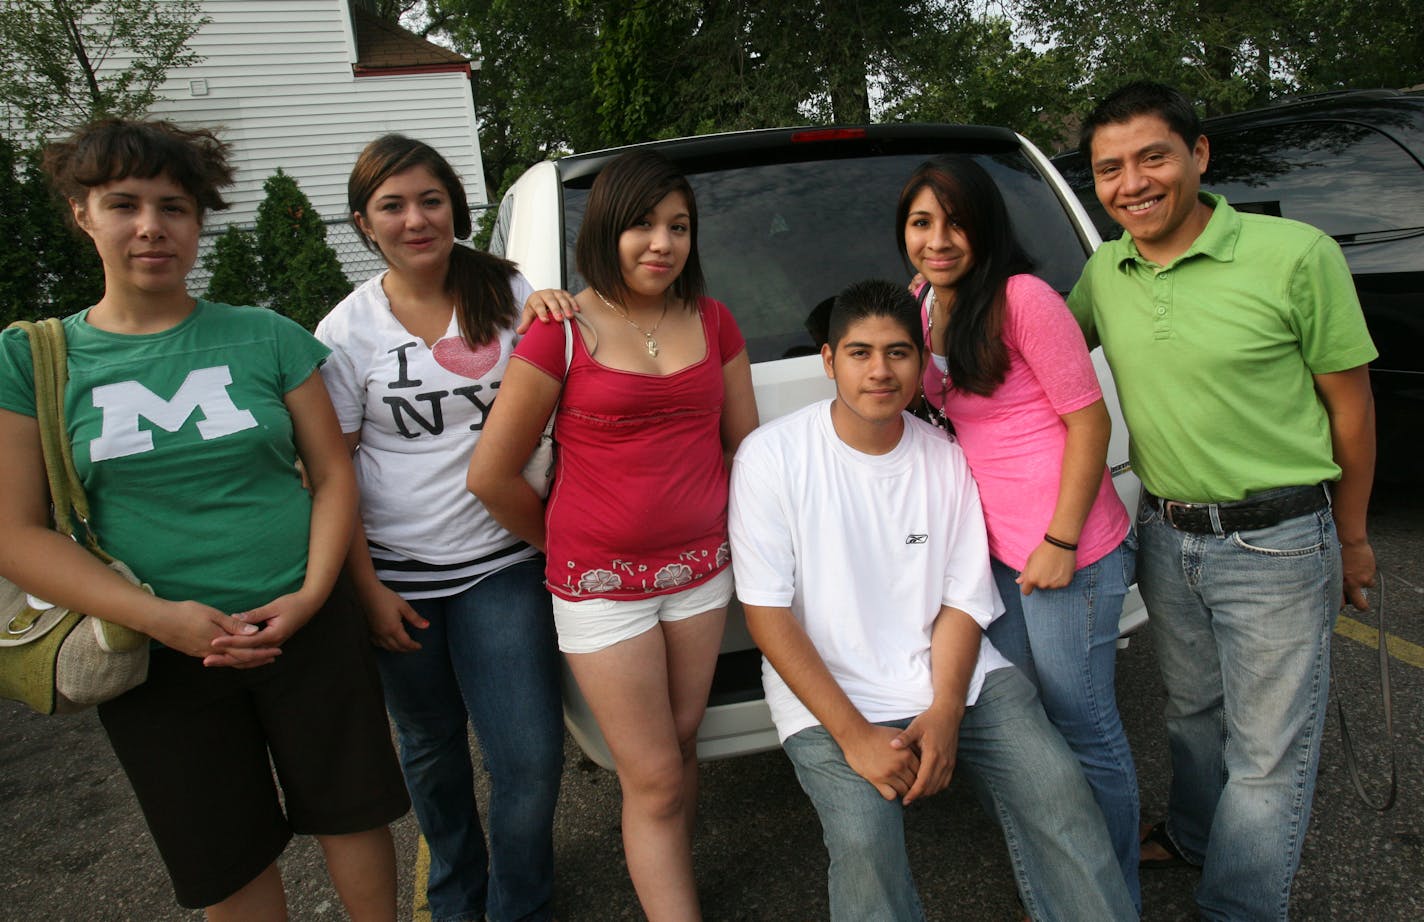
[(656, 396), (1010, 372)]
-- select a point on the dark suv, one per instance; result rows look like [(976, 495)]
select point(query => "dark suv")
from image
[(1352, 164)]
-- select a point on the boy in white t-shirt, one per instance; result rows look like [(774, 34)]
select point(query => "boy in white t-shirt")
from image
[(862, 564)]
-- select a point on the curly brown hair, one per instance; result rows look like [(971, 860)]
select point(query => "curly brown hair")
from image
[(111, 149)]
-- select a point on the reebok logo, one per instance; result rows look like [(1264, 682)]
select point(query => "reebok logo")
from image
[(916, 539)]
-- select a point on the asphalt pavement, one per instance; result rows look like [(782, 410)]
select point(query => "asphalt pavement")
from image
[(78, 850)]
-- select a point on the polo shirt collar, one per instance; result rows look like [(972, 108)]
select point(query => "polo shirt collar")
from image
[(1217, 241)]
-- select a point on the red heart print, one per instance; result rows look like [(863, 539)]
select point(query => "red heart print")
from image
[(453, 354)]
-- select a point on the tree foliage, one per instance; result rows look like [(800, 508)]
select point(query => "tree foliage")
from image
[(301, 275), (976, 72), (1230, 55), (1361, 43), (532, 97), (236, 270), (628, 77), (64, 62), (47, 267), (560, 75)]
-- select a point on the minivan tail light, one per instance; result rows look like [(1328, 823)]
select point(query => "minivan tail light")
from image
[(827, 134)]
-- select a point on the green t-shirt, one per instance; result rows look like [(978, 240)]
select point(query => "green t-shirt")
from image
[(185, 448), (1214, 354)]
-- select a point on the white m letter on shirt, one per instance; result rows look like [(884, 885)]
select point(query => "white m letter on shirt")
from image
[(123, 403)]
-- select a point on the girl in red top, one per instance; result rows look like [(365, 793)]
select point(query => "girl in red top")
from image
[(657, 396)]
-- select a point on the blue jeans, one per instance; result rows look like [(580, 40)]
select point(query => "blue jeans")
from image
[(489, 657), (1024, 772), (1242, 623), (1065, 641)]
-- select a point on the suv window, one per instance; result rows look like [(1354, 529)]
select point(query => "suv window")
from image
[(1347, 179), (777, 239)]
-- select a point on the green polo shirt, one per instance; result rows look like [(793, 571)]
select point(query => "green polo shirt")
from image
[(1214, 353)]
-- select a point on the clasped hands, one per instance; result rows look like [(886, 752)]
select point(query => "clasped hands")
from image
[(242, 640), (915, 762)]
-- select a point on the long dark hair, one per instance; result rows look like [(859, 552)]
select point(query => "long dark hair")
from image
[(478, 281), (626, 189), (973, 340)]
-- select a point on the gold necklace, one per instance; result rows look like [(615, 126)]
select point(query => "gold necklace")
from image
[(622, 314)]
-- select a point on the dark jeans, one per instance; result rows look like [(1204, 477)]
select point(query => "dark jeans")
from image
[(489, 657)]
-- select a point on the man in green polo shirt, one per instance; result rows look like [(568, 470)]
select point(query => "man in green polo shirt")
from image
[(1240, 355)]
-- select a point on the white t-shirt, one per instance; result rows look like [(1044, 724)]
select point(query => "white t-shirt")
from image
[(419, 411), (864, 549)]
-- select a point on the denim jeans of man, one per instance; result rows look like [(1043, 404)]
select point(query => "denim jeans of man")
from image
[(1065, 641), (1057, 843), (1241, 623), (489, 658)]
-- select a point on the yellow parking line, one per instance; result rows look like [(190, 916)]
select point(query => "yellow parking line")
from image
[(420, 911), (1399, 648)]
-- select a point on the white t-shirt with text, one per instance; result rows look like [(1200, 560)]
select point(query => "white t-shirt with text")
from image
[(420, 410)]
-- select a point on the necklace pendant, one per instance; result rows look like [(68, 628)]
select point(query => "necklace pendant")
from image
[(651, 343)]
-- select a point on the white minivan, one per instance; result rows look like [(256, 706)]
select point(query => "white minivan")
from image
[(789, 217)]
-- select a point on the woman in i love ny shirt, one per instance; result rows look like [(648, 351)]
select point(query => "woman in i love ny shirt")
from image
[(455, 604)]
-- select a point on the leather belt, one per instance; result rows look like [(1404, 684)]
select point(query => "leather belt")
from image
[(1260, 510)]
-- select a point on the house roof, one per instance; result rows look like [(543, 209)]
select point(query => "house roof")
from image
[(384, 48)]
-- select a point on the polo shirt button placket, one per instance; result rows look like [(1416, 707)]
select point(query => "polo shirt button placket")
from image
[(1162, 301)]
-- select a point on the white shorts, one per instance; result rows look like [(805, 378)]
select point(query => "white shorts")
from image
[(590, 625)]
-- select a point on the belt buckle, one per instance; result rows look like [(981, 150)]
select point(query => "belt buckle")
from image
[(1171, 505)]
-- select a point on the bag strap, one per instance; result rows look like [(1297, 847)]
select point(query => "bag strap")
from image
[(49, 355), (569, 333), (568, 347), (1347, 743)]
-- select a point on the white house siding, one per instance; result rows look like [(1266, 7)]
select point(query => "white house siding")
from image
[(279, 82)]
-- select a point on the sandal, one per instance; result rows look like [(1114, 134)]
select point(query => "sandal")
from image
[(1157, 835)]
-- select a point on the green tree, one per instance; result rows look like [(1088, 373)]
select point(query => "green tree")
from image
[(1223, 53), (977, 73), (1359, 43), (301, 275), (629, 76), (562, 75), (827, 55), (1230, 55), (394, 10), (17, 258), (236, 271), (47, 267), (532, 98), (64, 62), (71, 277), (559, 75)]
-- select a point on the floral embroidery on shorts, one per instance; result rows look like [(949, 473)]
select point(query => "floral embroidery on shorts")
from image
[(600, 581), (674, 574)]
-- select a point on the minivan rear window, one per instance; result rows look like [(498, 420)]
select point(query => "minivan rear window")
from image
[(778, 239)]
